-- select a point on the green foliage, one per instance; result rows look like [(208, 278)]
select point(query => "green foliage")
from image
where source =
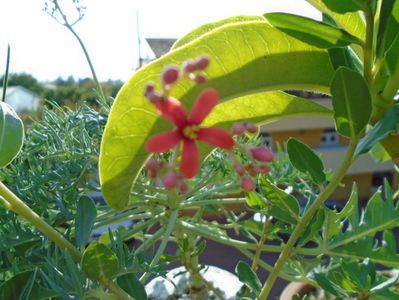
[(350, 279), (351, 101), (305, 160), (386, 125), (342, 7), (247, 276), (98, 261), (86, 213), (132, 286), (283, 206), (11, 134), (310, 31)]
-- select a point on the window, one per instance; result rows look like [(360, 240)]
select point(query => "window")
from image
[(329, 138), (266, 139)]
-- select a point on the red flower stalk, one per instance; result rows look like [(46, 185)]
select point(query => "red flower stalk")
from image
[(188, 130)]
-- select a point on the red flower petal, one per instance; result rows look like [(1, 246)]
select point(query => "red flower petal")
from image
[(172, 110), (190, 159), (205, 102), (163, 141), (216, 136)]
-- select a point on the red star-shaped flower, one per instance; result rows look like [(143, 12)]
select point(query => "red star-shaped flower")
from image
[(188, 130)]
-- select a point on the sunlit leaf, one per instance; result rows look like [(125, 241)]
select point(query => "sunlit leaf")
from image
[(234, 73), (310, 31)]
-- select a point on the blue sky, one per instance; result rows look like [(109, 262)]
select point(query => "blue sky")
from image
[(47, 50)]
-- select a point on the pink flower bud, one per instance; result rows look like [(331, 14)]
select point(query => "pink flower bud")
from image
[(183, 187), (153, 173), (170, 180), (152, 165), (170, 75), (261, 154), (247, 184), (263, 169), (251, 128), (202, 62), (189, 66), (251, 169), (238, 128), (200, 78), (239, 169), (149, 89)]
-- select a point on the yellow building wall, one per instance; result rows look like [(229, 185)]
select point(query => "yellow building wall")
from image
[(364, 186), (310, 137)]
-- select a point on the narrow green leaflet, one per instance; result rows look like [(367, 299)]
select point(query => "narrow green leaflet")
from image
[(387, 124), (351, 101), (85, 216), (98, 260), (11, 134), (316, 33), (234, 73), (285, 203), (254, 200), (305, 160), (326, 284), (345, 6), (248, 277)]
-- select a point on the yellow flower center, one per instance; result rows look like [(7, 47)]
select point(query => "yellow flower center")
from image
[(191, 132)]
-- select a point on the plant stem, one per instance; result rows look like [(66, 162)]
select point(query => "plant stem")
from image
[(5, 78), (262, 239), (86, 53), (306, 218), (162, 246), (368, 49), (18, 206), (240, 244)]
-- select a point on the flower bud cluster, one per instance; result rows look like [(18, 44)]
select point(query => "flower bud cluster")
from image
[(191, 69), (259, 155), (167, 174), (170, 178)]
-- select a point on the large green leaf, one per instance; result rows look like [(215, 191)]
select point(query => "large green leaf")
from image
[(199, 31), (305, 160), (310, 31), (246, 57), (388, 26), (11, 134), (351, 102), (345, 6), (98, 261)]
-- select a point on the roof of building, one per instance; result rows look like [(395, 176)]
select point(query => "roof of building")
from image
[(160, 46)]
